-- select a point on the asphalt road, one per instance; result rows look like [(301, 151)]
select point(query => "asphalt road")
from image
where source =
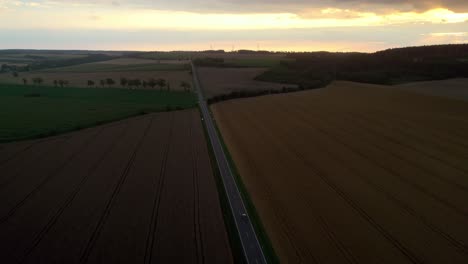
[(251, 247)]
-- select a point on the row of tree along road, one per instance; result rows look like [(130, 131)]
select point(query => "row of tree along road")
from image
[(124, 82)]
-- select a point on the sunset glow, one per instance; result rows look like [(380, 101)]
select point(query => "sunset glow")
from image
[(54, 16)]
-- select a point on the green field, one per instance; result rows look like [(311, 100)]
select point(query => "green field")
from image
[(34, 112)]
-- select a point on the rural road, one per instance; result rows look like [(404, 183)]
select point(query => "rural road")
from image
[(250, 244)]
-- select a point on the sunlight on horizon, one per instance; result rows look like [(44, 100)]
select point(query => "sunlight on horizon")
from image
[(51, 24), (178, 20)]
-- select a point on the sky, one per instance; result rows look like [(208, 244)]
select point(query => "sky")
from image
[(276, 25)]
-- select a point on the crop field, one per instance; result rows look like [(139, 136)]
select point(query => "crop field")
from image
[(452, 88), (29, 57), (218, 81), (174, 72), (27, 111), (354, 173), (120, 67), (138, 61), (135, 191), (77, 79)]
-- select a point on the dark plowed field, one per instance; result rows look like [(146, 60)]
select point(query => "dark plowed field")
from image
[(135, 191)]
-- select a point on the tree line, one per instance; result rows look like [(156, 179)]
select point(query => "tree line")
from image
[(391, 66), (152, 83)]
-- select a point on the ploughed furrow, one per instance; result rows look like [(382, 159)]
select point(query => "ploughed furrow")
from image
[(130, 217), (72, 231), (212, 232), (174, 233), (32, 222), (337, 171)]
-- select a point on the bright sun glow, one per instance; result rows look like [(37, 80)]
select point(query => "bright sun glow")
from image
[(153, 19)]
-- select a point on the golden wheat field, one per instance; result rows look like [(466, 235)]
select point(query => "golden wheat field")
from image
[(354, 173), (452, 88)]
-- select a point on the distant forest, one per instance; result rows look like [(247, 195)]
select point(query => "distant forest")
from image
[(393, 66)]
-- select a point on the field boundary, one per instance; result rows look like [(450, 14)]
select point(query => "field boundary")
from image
[(265, 241), (235, 243), (268, 253)]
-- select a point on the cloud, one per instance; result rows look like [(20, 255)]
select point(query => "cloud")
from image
[(269, 6), (296, 6), (333, 39), (94, 18)]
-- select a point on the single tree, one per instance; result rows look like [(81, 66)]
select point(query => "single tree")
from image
[(185, 85), (110, 82), (38, 80), (130, 84), (161, 83), (61, 83), (25, 81), (123, 82), (90, 83), (138, 83), (152, 83)]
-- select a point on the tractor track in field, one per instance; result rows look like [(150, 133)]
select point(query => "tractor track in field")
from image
[(403, 179), (48, 178), (157, 198), (454, 242), (72, 195), (396, 155), (115, 193), (353, 167), (196, 200), (352, 203), (396, 141), (39, 157), (122, 191)]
